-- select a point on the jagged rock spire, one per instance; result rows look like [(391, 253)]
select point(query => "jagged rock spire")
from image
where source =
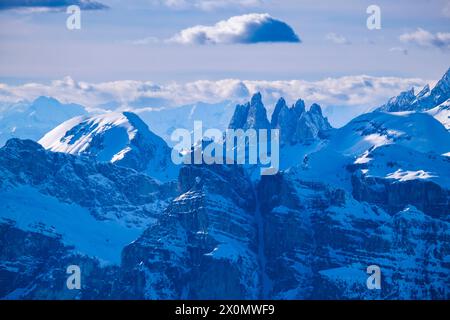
[(296, 125), (252, 115), (316, 109), (426, 99), (281, 104)]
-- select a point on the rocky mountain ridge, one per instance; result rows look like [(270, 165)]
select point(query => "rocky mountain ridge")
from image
[(374, 192)]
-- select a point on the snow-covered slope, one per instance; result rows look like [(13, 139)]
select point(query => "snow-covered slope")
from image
[(369, 194), (31, 120), (96, 207), (72, 224), (120, 138), (442, 113), (405, 164), (418, 131), (390, 159), (375, 191)]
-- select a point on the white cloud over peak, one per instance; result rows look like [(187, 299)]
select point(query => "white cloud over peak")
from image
[(425, 38), (246, 29)]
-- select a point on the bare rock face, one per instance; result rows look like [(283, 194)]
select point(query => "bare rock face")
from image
[(424, 100), (110, 192), (34, 265), (427, 196), (374, 192), (207, 233), (402, 102), (311, 125), (296, 125), (252, 115), (319, 242), (59, 210)]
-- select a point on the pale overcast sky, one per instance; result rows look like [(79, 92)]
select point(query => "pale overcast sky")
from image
[(130, 41)]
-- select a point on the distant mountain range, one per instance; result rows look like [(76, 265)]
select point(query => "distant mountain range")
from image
[(31, 120), (426, 99), (100, 192)]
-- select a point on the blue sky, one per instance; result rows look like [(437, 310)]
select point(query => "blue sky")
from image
[(127, 41), (166, 53)]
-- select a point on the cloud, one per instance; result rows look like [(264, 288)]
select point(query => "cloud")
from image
[(356, 93), (399, 49), (337, 38), (247, 29), (209, 5), (45, 5), (425, 38)]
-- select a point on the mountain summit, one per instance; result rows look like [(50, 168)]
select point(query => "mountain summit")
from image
[(120, 138), (373, 192), (31, 120), (296, 125), (424, 100), (252, 115)]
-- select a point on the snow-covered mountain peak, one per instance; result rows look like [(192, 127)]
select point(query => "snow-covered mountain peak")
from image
[(118, 137), (76, 135), (418, 131), (441, 91), (426, 99), (31, 120), (401, 102), (424, 92)]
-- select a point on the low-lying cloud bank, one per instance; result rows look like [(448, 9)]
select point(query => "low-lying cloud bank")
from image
[(245, 29), (341, 97)]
